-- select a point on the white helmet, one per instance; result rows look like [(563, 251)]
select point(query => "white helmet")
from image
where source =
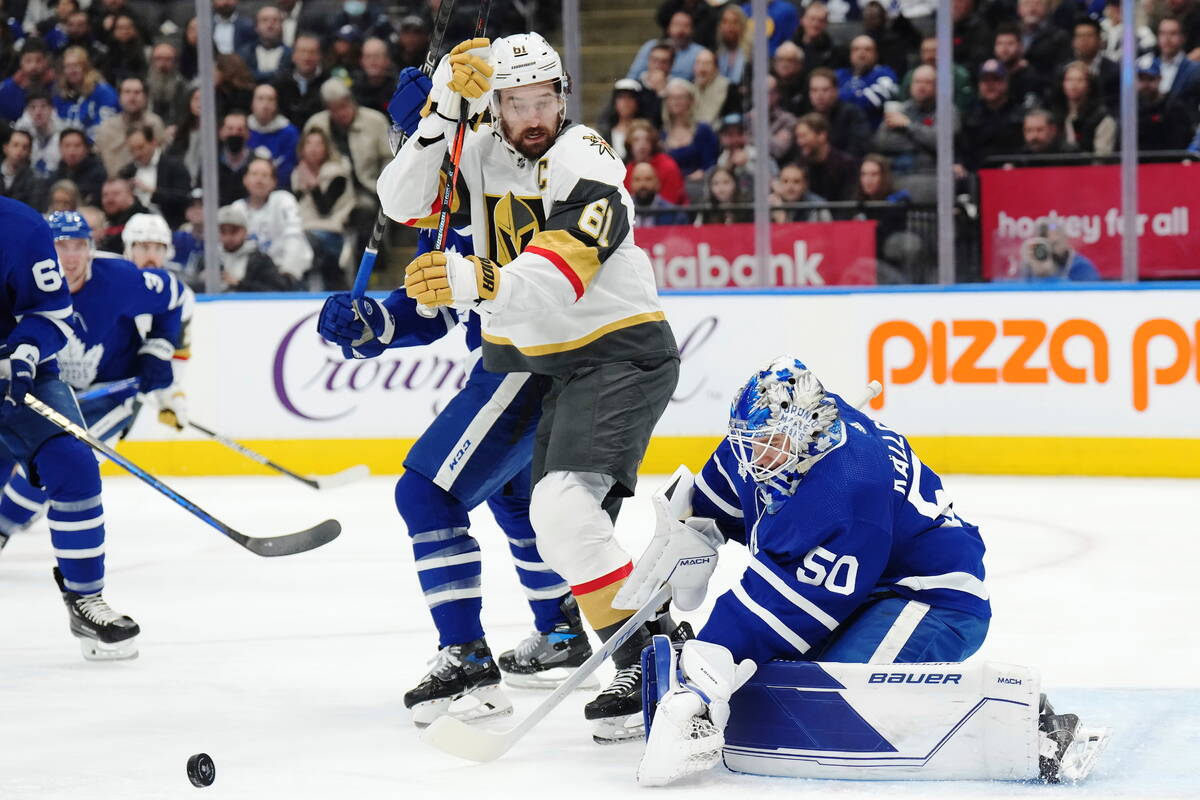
[(147, 228), (524, 59)]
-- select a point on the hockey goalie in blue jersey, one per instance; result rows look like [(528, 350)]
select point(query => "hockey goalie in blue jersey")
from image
[(35, 317), (857, 559), (105, 344)]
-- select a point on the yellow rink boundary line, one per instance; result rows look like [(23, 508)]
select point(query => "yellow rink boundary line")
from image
[(987, 455)]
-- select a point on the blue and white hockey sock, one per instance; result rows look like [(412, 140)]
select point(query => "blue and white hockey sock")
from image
[(544, 588), (19, 504), (76, 516), (447, 557)]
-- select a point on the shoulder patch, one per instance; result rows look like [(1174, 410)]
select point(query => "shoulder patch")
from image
[(597, 141)]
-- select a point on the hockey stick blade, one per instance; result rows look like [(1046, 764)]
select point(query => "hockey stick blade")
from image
[(290, 543), (285, 545), (350, 475), (453, 736)]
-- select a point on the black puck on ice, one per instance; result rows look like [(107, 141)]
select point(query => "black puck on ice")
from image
[(201, 770)]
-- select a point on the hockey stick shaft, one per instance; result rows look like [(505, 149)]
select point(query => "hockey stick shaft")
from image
[(280, 545), (253, 455), (128, 385), (456, 737), (367, 264)]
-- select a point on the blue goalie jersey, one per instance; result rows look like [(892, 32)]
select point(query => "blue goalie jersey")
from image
[(868, 519), (35, 305), (106, 338)]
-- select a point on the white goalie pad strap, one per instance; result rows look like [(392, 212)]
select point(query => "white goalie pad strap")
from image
[(974, 721)]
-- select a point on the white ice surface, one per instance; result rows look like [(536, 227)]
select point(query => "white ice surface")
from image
[(290, 671)]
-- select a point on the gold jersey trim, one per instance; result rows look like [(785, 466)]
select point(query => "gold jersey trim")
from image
[(574, 344)]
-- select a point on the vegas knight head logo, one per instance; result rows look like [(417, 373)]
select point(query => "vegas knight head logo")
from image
[(513, 221)]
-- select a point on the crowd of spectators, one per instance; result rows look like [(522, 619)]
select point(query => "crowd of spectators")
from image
[(851, 103), (100, 113), (100, 110)]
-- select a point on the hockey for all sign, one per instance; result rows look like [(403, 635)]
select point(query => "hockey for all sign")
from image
[(1085, 204), (722, 256)]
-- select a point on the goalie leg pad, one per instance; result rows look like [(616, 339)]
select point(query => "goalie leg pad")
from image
[(939, 721)]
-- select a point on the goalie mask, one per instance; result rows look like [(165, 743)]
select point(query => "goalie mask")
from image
[(781, 423), (524, 60)]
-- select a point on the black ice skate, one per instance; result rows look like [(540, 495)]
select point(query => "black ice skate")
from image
[(104, 635), (617, 711), (1069, 751), (544, 660), (464, 683)]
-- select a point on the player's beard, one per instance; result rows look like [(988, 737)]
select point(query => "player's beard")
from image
[(532, 150)]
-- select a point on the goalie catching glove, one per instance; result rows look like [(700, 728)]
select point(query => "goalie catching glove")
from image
[(685, 702), (682, 554), (447, 278)]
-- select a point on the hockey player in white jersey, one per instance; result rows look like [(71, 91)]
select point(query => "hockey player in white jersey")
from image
[(860, 573), (575, 301)]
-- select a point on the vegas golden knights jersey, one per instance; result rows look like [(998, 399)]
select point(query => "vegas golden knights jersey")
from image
[(575, 289)]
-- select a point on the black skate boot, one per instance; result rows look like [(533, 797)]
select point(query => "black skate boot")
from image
[(104, 635), (617, 711), (464, 683), (544, 660)]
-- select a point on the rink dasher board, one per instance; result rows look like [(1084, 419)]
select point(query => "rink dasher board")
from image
[(1002, 381)]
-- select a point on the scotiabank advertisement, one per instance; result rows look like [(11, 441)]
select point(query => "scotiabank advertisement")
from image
[(722, 256), (1117, 368), (1084, 203)]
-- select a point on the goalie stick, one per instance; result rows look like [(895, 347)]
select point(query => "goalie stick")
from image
[(453, 736), (285, 545), (367, 264)]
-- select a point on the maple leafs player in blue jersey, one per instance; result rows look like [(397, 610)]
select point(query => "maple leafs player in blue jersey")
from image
[(856, 557), (35, 315), (105, 343), (478, 448)]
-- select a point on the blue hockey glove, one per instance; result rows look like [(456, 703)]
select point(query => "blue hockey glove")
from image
[(16, 376), (154, 365), (408, 99), (361, 334)]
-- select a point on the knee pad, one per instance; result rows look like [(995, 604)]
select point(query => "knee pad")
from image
[(66, 468), (574, 534), (424, 506)]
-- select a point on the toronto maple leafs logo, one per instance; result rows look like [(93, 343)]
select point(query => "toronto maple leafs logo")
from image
[(78, 363)]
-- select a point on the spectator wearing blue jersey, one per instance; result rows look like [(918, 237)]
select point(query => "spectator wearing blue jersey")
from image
[(53, 29), (782, 21), (33, 74), (272, 131), (679, 36), (81, 97), (1048, 257), (865, 83)]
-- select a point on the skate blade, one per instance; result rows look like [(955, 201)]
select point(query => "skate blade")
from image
[(1083, 753), (549, 679), (617, 730), (486, 702), (118, 651)]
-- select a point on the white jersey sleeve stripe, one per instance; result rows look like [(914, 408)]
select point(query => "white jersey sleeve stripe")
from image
[(725, 475), (720, 503), (791, 595), (958, 581), (772, 621)]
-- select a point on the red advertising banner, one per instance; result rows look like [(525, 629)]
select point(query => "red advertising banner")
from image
[(722, 256), (1085, 203)]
